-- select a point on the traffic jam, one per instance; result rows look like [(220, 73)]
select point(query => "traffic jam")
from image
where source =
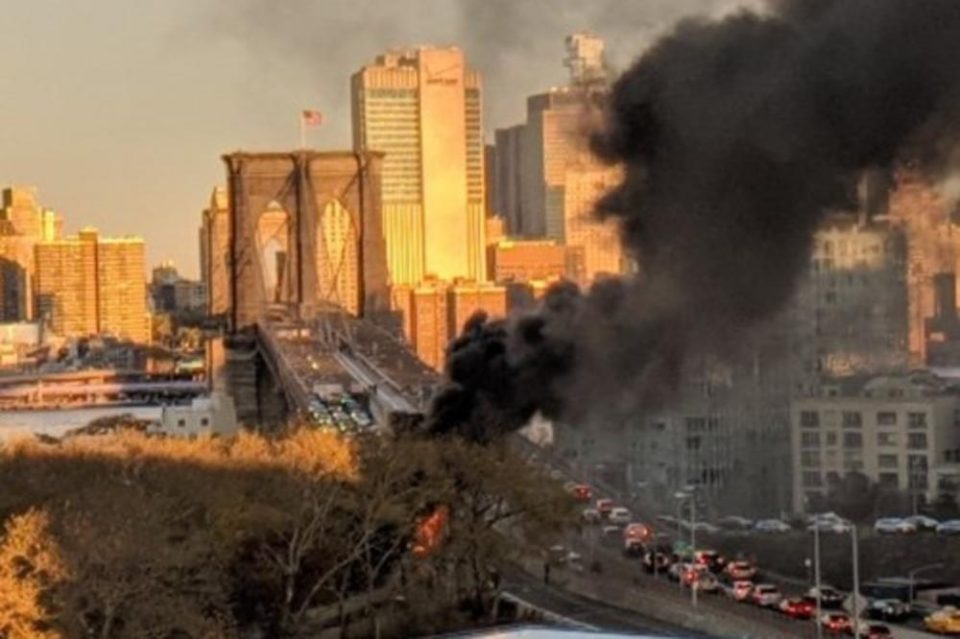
[(662, 554)]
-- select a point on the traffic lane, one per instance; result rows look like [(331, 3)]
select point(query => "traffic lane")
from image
[(588, 611), (628, 573)]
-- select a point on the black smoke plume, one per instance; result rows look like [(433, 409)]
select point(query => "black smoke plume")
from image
[(736, 137)]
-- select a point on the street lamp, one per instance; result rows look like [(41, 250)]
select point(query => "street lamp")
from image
[(682, 496), (916, 571)]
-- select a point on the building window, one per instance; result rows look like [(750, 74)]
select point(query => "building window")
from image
[(812, 479), (887, 461), (889, 480), (917, 420), (852, 440), (887, 418), (917, 464), (181, 423), (918, 481), (852, 419), (886, 439), (916, 441), (810, 439), (810, 419), (810, 459), (204, 421), (831, 439)]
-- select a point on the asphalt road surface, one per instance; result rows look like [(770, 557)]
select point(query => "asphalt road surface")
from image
[(586, 611)]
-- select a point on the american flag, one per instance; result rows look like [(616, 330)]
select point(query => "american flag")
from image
[(312, 118)]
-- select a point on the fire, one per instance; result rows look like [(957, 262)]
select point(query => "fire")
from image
[(430, 530)]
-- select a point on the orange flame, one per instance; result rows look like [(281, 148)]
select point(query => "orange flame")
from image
[(430, 530)]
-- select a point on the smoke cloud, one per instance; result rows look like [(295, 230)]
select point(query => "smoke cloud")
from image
[(737, 135)]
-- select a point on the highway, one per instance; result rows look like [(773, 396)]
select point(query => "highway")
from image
[(587, 614)]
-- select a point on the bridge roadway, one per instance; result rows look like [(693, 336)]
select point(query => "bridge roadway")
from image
[(370, 360)]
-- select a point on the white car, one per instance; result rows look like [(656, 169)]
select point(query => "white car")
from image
[(839, 527), (950, 527), (893, 526), (741, 570), (766, 595), (772, 526), (923, 522), (591, 515), (620, 515)]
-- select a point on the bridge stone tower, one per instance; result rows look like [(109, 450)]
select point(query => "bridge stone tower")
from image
[(304, 234)]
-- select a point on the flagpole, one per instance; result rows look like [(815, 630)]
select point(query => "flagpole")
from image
[(303, 133)]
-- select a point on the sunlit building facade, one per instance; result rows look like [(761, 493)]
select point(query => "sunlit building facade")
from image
[(422, 108)]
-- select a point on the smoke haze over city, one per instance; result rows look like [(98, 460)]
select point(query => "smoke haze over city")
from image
[(738, 137)]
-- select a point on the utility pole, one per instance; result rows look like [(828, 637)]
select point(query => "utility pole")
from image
[(856, 578), (694, 585), (816, 576)]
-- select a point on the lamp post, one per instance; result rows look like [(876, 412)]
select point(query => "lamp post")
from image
[(816, 577), (681, 497), (916, 571), (856, 577)]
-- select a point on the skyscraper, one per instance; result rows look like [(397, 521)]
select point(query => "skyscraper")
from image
[(88, 285), (23, 223), (214, 252), (546, 180), (422, 108)]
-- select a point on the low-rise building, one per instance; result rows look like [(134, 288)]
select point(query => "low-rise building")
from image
[(204, 416), (894, 429)]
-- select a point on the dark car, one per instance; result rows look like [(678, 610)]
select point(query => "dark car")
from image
[(888, 609)]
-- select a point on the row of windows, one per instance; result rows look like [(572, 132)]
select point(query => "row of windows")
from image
[(854, 419), (915, 481)]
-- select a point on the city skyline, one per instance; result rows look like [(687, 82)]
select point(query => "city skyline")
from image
[(125, 136)]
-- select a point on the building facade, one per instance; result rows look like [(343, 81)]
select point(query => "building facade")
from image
[(850, 309), (894, 429), (526, 260), (90, 285), (422, 108), (215, 252)]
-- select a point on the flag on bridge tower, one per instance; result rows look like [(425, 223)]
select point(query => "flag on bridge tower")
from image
[(312, 118), (308, 117)]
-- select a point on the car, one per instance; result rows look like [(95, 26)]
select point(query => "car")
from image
[(923, 523), (637, 530), (766, 595), (705, 527), (633, 548), (677, 570), (945, 621), (612, 532), (829, 597), (734, 522), (740, 590), (591, 516), (581, 493), (772, 526), (837, 623), (870, 630), (619, 515), (949, 528), (740, 570), (713, 560), (797, 607), (888, 609), (605, 506), (656, 561), (893, 526), (839, 527), (706, 581)]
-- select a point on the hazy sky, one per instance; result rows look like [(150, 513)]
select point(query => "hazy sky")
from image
[(118, 110)]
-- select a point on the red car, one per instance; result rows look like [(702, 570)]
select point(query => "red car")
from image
[(582, 493), (873, 631), (797, 608), (837, 623)]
